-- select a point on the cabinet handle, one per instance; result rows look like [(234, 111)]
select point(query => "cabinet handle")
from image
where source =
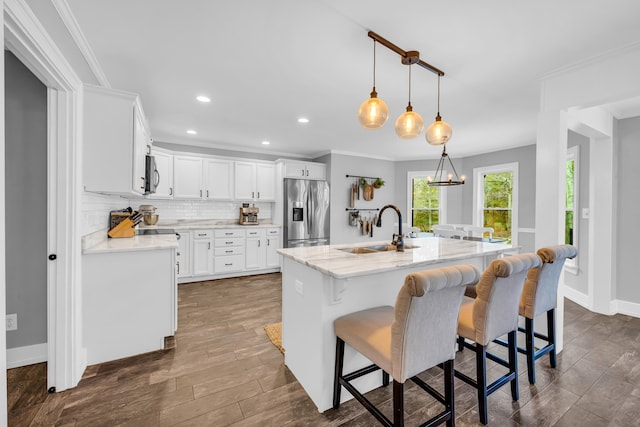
[(258, 243), (200, 193), (268, 242), (228, 234), (307, 172), (230, 264), (178, 265), (228, 252), (228, 243), (302, 170), (209, 245), (253, 195), (258, 194), (171, 191), (207, 193)]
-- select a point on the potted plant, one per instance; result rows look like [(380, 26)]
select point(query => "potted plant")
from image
[(378, 183)]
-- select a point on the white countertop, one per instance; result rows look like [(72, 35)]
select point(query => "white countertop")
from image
[(199, 224), (98, 242), (341, 265)]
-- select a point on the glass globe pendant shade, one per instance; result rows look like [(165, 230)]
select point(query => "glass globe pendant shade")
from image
[(409, 124), (373, 112), (438, 132)]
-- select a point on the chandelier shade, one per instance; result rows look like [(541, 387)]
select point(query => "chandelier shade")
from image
[(409, 124), (439, 132)]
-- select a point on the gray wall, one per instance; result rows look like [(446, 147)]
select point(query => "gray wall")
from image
[(526, 159), (628, 206), (26, 203), (340, 166), (579, 281)]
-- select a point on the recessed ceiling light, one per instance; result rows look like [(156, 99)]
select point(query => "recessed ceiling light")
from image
[(191, 132), (303, 120), (265, 143), (203, 98)]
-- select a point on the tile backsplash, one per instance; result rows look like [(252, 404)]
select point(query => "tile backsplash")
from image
[(96, 207)]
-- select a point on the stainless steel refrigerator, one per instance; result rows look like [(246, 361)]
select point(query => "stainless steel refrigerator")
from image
[(306, 213)]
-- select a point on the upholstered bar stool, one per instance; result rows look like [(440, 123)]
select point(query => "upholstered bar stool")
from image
[(491, 314), (415, 335), (540, 296)]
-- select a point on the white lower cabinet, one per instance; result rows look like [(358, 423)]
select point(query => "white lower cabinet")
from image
[(205, 254), (202, 253), (273, 243), (183, 256), (256, 251), (229, 253)]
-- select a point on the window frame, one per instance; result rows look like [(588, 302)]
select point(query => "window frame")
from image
[(442, 196), (478, 195), (573, 153)]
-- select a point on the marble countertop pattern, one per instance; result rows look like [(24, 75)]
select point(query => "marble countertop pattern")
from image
[(98, 242), (199, 224), (332, 261)]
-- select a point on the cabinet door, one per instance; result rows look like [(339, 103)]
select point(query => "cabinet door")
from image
[(164, 165), (295, 170), (265, 182), (245, 179), (273, 257), (187, 177), (316, 171), (140, 140), (184, 254), (202, 257), (256, 249), (217, 176)]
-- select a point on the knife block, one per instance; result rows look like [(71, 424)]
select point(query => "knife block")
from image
[(123, 229)]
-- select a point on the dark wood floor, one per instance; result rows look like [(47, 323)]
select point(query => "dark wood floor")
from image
[(225, 372)]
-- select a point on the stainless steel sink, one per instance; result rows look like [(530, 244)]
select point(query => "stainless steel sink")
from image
[(373, 249)]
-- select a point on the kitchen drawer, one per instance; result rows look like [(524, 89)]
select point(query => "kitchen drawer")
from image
[(226, 264), (223, 233), (229, 242), (202, 234), (256, 233), (273, 231), (231, 250)]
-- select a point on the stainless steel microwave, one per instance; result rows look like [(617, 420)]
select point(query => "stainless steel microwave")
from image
[(151, 175)]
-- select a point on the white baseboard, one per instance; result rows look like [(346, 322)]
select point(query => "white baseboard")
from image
[(576, 296), (625, 307), (27, 355)]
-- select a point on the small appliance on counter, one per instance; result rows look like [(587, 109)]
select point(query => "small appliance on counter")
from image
[(149, 214), (122, 223), (248, 216)]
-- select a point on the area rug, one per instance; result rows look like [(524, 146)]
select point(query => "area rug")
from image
[(274, 332)]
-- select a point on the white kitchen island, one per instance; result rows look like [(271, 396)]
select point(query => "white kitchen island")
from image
[(322, 283)]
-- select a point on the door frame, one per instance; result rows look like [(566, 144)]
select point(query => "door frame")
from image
[(29, 42)]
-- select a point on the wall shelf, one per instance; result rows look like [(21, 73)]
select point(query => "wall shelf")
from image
[(360, 176)]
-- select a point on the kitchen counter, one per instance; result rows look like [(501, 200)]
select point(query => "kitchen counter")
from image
[(337, 263), (98, 242), (199, 224), (322, 283)]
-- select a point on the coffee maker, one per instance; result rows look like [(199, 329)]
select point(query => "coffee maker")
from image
[(248, 216)]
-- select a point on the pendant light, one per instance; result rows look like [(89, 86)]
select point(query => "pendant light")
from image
[(438, 132), (373, 113), (409, 124)]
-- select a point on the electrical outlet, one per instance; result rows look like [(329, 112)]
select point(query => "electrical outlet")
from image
[(12, 322)]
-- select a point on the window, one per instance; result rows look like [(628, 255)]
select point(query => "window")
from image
[(496, 200), (426, 203), (571, 206)]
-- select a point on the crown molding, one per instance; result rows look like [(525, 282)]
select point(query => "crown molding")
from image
[(76, 33)]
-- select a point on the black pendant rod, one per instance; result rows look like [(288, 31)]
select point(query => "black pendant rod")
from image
[(403, 53)]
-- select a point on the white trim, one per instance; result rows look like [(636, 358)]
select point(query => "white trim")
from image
[(625, 307), (526, 230), (27, 355), (442, 196), (76, 33), (29, 42), (478, 194), (576, 296)]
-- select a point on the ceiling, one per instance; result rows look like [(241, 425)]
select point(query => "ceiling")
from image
[(264, 64)]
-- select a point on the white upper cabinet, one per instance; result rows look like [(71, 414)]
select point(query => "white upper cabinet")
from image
[(115, 137), (254, 181), (304, 170), (218, 179), (187, 177), (164, 166)]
